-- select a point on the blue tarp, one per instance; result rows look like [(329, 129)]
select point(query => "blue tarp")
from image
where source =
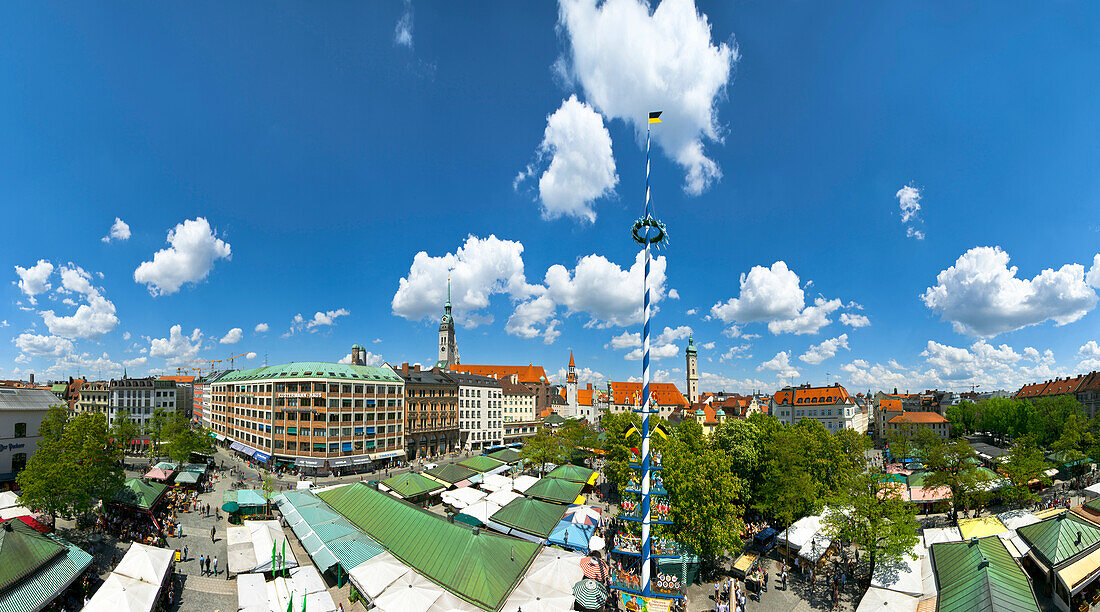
[(262, 457), (578, 535)]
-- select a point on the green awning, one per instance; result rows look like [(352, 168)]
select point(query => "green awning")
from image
[(450, 473), (507, 455), (980, 575), (530, 516), (412, 486), (572, 473), (139, 494), (481, 463), (555, 490), (187, 478)]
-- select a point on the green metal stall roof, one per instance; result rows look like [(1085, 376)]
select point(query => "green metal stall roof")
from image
[(1055, 539), (481, 463), (427, 542), (251, 497), (507, 455), (451, 473), (315, 369), (553, 419), (555, 490), (187, 478), (139, 494), (572, 473), (36, 590), (917, 479), (412, 485), (968, 585), (530, 516), (23, 551)]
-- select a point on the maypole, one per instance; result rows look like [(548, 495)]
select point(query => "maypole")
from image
[(648, 232)]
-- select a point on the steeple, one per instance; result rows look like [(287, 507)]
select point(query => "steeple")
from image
[(692, 371), (448, 346), (691, 345), (571, 364)]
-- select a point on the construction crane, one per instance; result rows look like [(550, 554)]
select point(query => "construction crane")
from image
[(234, 357), (182, 370)]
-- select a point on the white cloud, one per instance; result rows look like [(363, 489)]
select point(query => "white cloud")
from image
[(690, 312), (718, 382), (982, 296), (35, 279), (233, 336), (369, 358), (626, 340), (1089, 349), (250, 356), (809, 321), (529, 315), (479, 269), (780, 364), (377, 340), (90, 321), (630, 62), (581, 168), (673, 294), (261, 328), (84, 364), (193, 249), (69, 302), (75, 279), (661, 347), (33, 345), (826, 350), (119, 231), (403, 31), (584, 376), (320, 319), (708, 346), (135, 362), (177, 348), (733, 331), (1093, 277), (854, 320), (908, 201), (912, 232), (766, 294), (125, 335), (736, 352), (4, 323)]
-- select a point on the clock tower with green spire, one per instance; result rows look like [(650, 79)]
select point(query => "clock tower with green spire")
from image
[(448, 347)]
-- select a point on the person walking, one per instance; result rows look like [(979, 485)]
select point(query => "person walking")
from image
[(765, 577), (215, 565), (184, 553), (202, 567), (213, 530)]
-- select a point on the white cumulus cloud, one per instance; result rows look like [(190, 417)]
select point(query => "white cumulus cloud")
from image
[(177, 348), (1089, 349), (661, 347), (34, 345), (403, 31), (767, 294), (817, 353), (193, 249), (320, 319), (982, 296), (35, 279), (92, 319), (250, 355), (581, 168), (233, 336), (780, 364), (908, 201), (629, 61), (854, 320), (119, 231), (261, 328)]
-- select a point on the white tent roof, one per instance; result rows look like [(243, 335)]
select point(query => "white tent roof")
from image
[(815, 548), (502, 497), (496, 482), (280, 596), (146, 563), (482, 510), (461, 498), (120, 593), (1014, 519), (876, 600), (531, 596), (250, 546), (800, 533), (935, 535), (303, 484), (14, 512), (8, 499), (522, 483), (556, 569), (448, 602), (903, 574), (373, 576), (409, 593), (252, 593)]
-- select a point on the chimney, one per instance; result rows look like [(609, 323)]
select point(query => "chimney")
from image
[(405, 368), (983, 563), (32, 379), (416, 368)]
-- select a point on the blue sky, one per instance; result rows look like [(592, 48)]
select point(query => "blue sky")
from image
[(909, 192)]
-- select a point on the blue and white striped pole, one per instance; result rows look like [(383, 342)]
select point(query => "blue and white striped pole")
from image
[(645, 388)]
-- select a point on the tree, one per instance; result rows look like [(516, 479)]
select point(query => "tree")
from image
[(740, 440), (953, 464), (544, 447), (703, 493), (578, 437), (617, 445), (788, 492), (182, 439), (44, 481), (268, 488), (155, 430), (963, 416), (124, 429), (876, 518)]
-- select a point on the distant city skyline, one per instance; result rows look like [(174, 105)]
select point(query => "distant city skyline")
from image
[(848, 200)]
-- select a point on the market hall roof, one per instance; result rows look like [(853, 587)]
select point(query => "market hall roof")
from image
[(555, 490), (139, 494), (491, 564), (315, 369), (35, 568), (412, 485), (450, 473), (530, 515), (571, 473), (981, 575), (481, 463), (1060, 538), (507, 455)]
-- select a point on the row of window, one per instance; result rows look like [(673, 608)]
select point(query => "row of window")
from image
[(316, 387)]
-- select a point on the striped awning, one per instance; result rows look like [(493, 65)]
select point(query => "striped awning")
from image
[(312, 543), (353, 551), (323, 559), (45, 585)]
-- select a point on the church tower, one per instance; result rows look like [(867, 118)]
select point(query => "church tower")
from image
[(692, 372), (571, 389), (448, 347)]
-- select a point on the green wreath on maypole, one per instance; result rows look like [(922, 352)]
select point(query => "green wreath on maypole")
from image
[(643, 232)]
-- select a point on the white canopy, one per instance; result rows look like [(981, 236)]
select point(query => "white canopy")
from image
[(903, 574), (448, 602), (816, 548), (8, 499), (461, 498), (1092, 490), (800, 533), (373, 576), (556, 569), (14, 512), (409, 593), (1014, 519), (250, 546), (935, 535), (482, 510), (303, 485), (496, 482), (522, 483), (502, 497), (531, 596), (282, 591), (147, 563), (876, 600), (120, 593), (252, 593)]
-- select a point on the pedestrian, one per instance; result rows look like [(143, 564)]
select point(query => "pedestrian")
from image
[(179, 528), (213, 530), (215, 565), (184, 553), (765, 578), (716, 592), (202, 567)]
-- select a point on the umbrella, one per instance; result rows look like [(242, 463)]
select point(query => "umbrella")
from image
[(583, 515), (596, 543), (593, 568), (534, 597), (590, 593), (230, 507)]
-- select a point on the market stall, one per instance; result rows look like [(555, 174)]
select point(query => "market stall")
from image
[(254, 546)]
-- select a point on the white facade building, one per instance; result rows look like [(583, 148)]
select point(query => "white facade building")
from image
[(21, 414), (480, 411), (831, 406), (140, 397)]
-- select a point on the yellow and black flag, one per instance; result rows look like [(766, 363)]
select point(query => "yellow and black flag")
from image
[(657, 430), (655, 117)]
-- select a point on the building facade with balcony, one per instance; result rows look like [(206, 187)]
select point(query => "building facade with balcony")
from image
[(311, 414), (480, 411), (431, 411), (832, 406), (521, 417)]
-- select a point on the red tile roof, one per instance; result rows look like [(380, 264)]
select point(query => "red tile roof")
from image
[(919, 417), (814, 396), (890, 404), (507, 387), (1066, 385), (179, 379), (1033, 390), (1091, 382), (664, 394), (527, 374)]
